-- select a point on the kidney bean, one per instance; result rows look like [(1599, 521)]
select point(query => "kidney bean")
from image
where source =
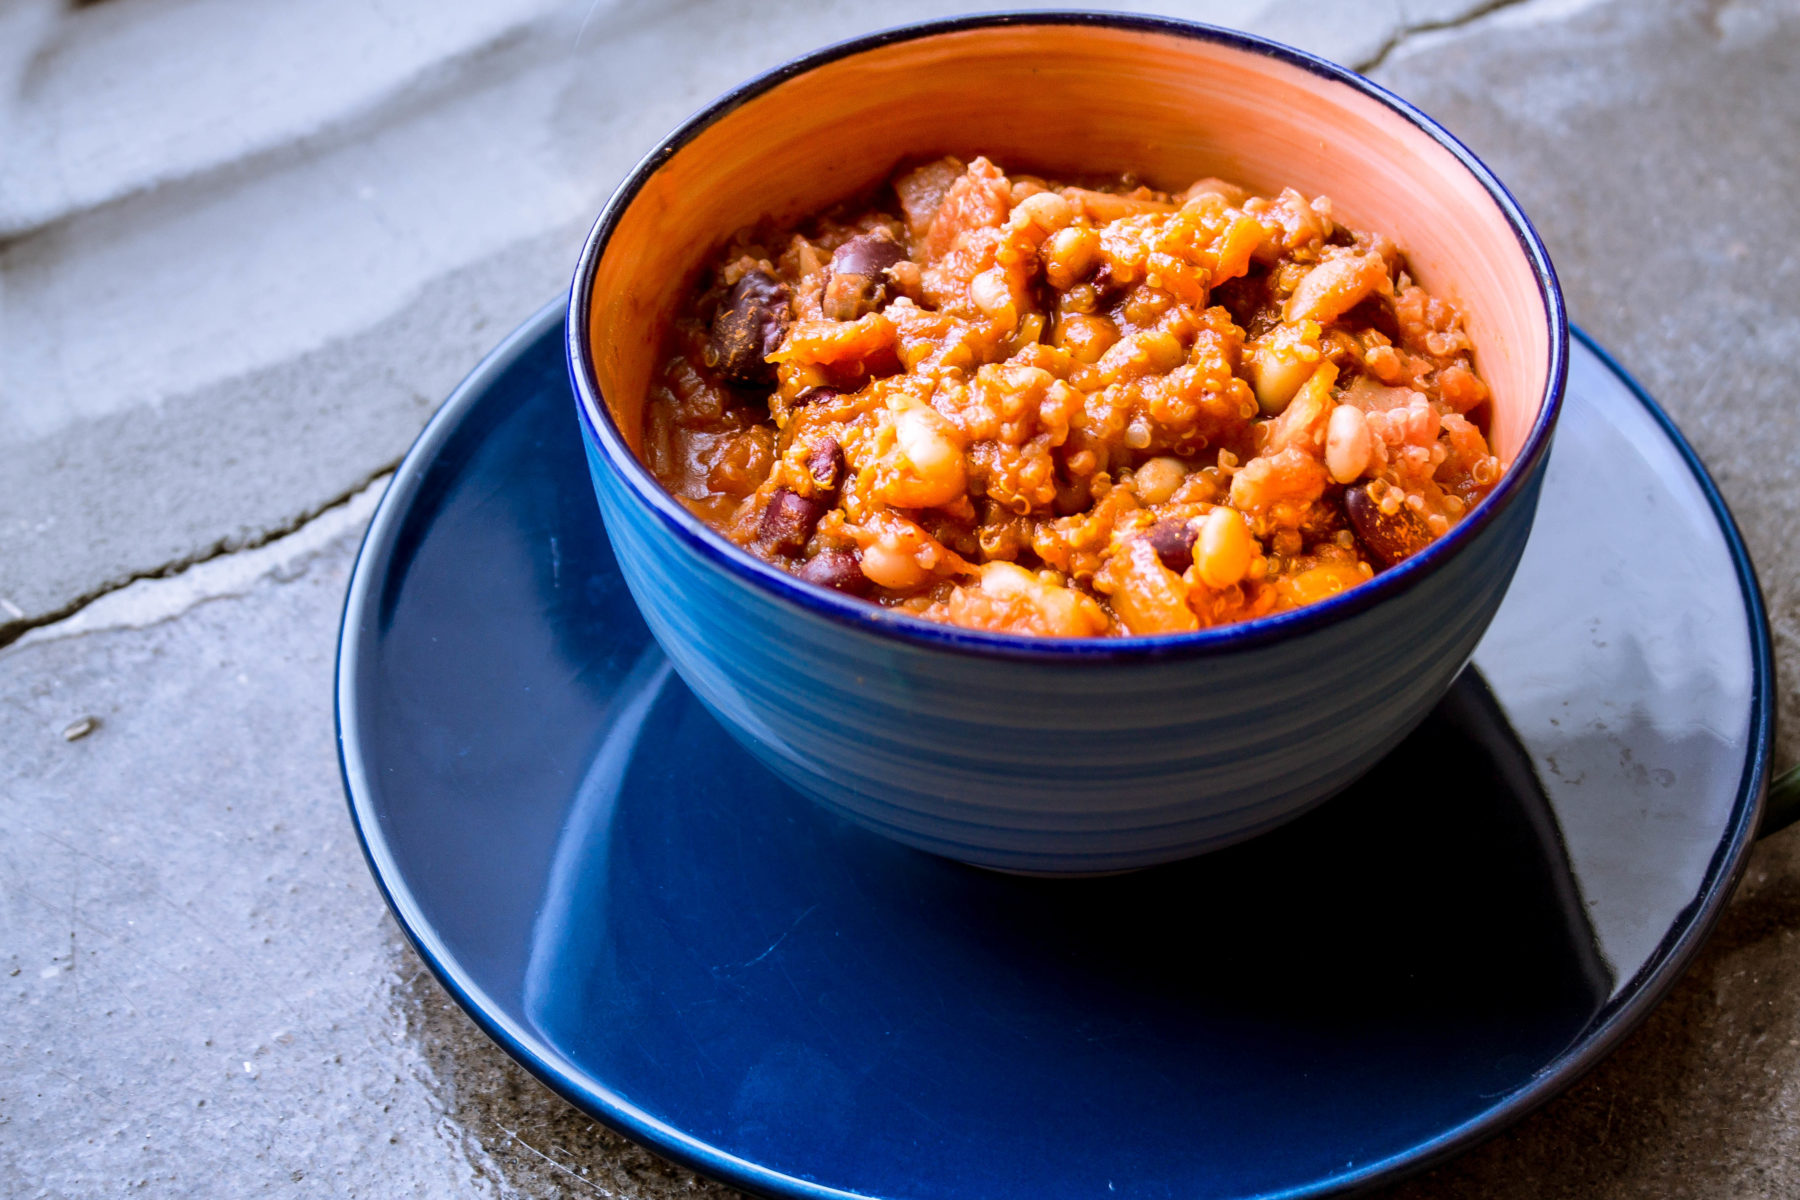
[(1173, 542), (838, 570), (868, 254), (788, 522), (812, 394), (858, 282), (1390, 538), (748, 328), (826, 464)]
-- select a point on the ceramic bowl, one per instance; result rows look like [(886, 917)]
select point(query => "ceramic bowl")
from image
[(1045, 755)]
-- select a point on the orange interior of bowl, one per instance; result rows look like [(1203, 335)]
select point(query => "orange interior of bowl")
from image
[(1072, 100)]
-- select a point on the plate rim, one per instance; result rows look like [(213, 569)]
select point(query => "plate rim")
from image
[(1599, 1038)]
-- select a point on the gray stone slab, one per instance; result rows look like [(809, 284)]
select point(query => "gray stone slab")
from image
[(97, 500), (231, 289), (203, 994)]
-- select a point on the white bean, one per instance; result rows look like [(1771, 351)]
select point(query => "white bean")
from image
[(1225, 548), (1047, 210), (993, 297), (1348, 444), (891, 551), (1156, 480)]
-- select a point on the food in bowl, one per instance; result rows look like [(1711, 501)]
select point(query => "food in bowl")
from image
[(1013, 404)]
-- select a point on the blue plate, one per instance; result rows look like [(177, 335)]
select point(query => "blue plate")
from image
[(651, 923)]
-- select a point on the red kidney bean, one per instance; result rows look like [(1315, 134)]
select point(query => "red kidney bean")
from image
[(857, 283), (1173, 542), (1390, 538), (839, 570), (748, 328), (812, 394), (826, 465), (867, 254), (788, 522)]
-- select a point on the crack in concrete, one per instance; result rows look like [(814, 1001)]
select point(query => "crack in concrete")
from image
[(11, 631), (1406, 32)]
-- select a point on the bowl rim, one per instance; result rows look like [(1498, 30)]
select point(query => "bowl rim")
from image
[(598, 424)]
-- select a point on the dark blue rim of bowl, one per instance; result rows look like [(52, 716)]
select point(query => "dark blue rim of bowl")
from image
[(598, 423), (1633, 1001)]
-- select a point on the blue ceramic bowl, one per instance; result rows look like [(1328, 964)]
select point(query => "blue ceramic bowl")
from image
[(1045, 755)]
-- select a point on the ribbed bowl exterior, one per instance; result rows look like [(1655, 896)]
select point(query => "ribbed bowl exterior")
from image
[(1082, 765)]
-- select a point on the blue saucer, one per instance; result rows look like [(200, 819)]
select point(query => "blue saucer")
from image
[(698, 957)]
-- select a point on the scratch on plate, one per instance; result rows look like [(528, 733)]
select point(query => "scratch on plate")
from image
[(772, 945)]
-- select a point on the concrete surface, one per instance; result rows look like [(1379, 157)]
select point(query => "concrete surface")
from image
[(233, 287), (243, 254)]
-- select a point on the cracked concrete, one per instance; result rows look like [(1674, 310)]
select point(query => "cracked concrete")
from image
[(214, 334), (109, 498), (1440, 23), (154, 600), (258, 299)]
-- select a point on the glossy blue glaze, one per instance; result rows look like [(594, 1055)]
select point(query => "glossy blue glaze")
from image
[(1046, 755), (697, 956)]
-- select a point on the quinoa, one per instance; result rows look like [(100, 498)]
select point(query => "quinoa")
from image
[(1017, 405)]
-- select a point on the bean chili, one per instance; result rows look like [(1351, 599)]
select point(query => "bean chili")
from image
[(1019, 405)]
